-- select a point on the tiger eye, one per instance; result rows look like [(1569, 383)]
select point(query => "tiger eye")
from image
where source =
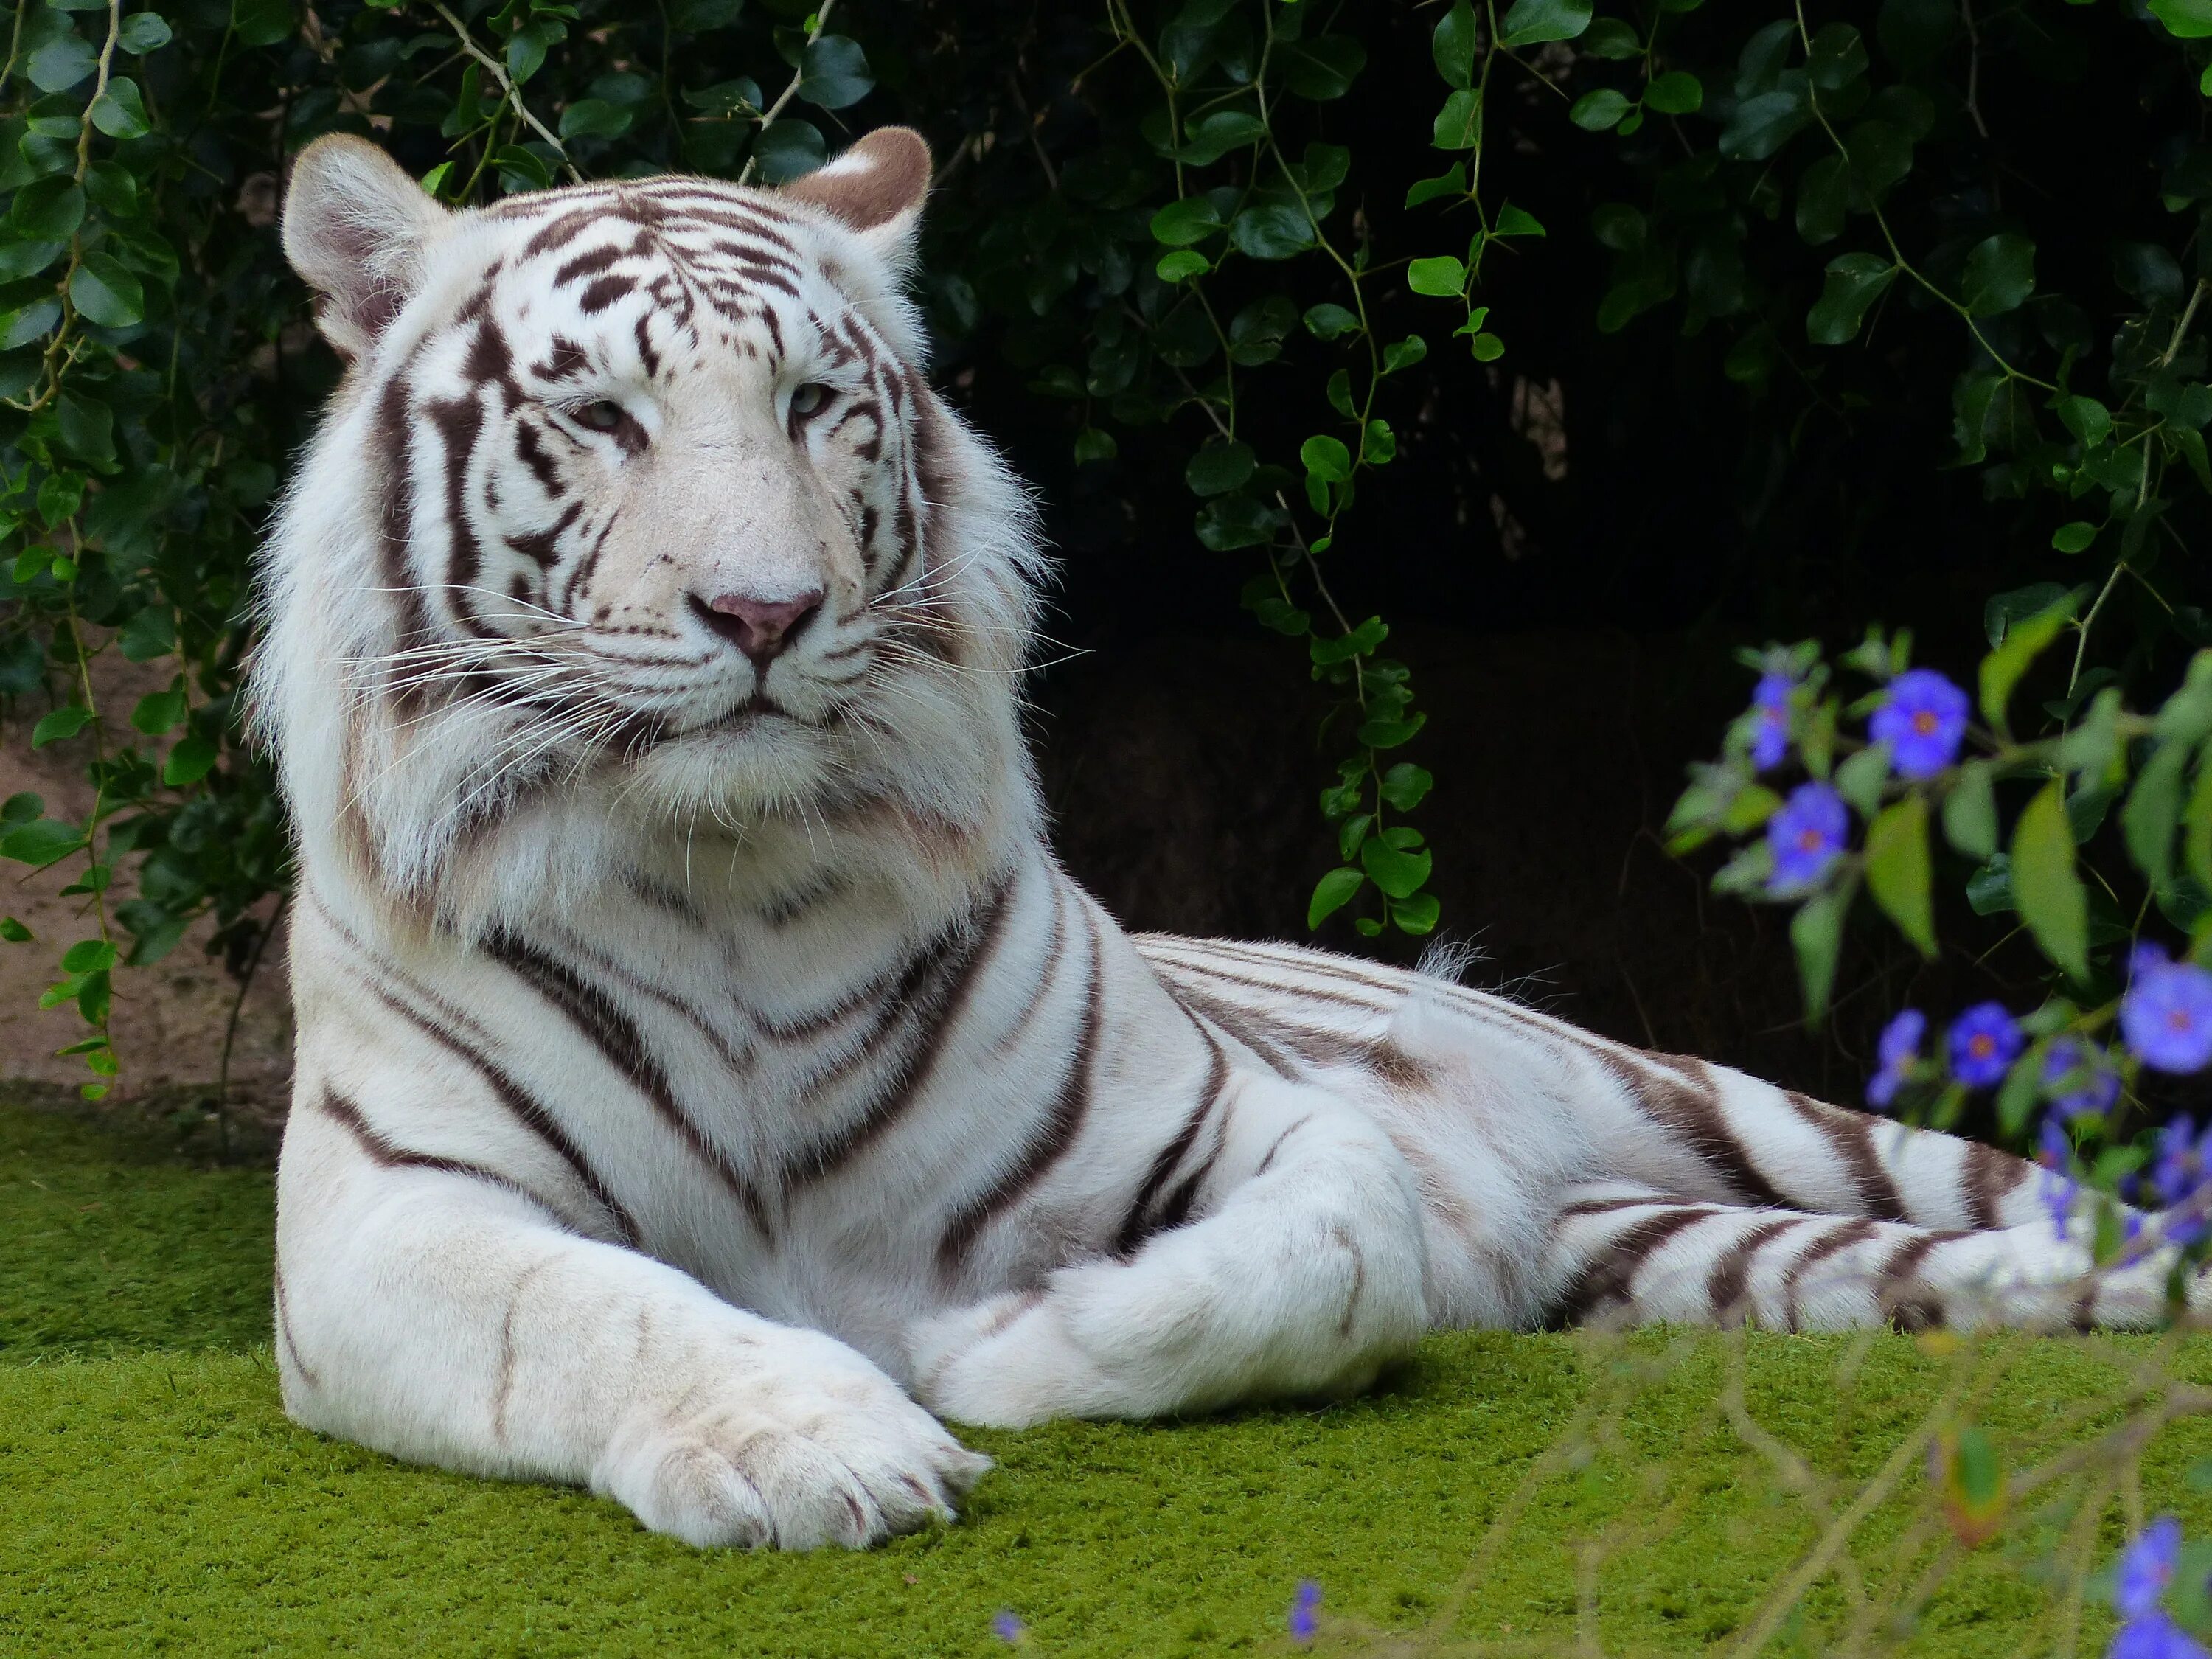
[(602, 415), (809, 398)]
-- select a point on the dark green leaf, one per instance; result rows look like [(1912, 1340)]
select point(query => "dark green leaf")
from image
[(1221, 466), (788, 149), (1181, 223), (1272, 230), (594, 118), (1323, 68), (1854, 282), (48, 209), (1822, 195), (2000, 275), (2024, 641), (119, 112), (61, 724), (2153, 811), (1969, 813), (1331, 893), (1459, 123), (1678, 92), (1897, 870), (1212, 136), (192, 759), (834, 73), (1442, 276), (1326, 457), (2186, 20), (1816, 934), (1416, 915), (1761, 125), (142, 32), (1600, 110), (1398, 874), (1532, 21), (2052, 900), (41, 843), (106, 294), (1452, 181), (1405, 786), (1329, 322), (1838, 56), (1452, 45)]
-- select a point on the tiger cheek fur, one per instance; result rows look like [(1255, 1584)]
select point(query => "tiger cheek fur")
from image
[(703, 1065)]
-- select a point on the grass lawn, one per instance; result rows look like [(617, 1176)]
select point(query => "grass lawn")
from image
[(1505, 1494)]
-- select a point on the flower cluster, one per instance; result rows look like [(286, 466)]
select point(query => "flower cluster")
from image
[(2146, 1569), (1921, 722), (2165, 1021)]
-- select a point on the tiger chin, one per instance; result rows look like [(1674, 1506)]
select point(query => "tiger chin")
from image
[(707, 1079)]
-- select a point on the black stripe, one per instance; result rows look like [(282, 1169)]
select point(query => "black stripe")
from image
[(1689, 1109), (1610, 1278), (526, 1107), (937, 1017), (1990, 1175), (1052, 1139), (1728, 1284), (617, 1037), (1362, 1003), (388, 1154), (1134, 1229), (1851, 1134), (1238, 1024), (284, 1336), (1841, 1238)]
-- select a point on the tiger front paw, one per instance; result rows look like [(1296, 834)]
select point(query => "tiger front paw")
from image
[(825, 1455)]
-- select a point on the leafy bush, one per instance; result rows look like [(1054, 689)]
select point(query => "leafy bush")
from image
[(1250, 241)]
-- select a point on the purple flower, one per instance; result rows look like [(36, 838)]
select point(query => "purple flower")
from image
[(1770, 739), (2147, 1567), (2155, 1636), (1807, 833), (2167, 1015), (1899, 1048), (1008, 1629), (2079, 1078), (1302, 1623), (2183, 1159), (1922, 720), (1985, 1042)]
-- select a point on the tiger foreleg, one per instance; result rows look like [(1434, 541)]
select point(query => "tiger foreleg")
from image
[(1303, 1274), (1624, 1255), (435, 1313)]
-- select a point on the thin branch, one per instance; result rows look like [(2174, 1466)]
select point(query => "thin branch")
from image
[(513, 93), (791, 91)]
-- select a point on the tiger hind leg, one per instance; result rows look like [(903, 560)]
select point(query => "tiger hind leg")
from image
[(1626, 1255)]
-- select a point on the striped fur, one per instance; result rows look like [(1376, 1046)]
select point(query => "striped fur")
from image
[(703, 1065)]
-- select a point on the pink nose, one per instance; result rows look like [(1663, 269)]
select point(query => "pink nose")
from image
[(759, 627)]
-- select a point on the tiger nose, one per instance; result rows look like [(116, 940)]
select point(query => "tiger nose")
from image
[(759, 627)]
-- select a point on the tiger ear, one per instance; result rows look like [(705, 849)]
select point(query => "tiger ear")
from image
[(354, 228), (876, 188)]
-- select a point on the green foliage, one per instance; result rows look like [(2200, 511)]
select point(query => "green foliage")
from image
[(1171, 232)]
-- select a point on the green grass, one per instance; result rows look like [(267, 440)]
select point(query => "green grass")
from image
[(156, 1500)]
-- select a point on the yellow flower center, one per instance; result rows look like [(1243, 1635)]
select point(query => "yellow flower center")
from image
[(1924, 722)]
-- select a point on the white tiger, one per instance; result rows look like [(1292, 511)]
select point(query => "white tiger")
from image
[(705, 1072)]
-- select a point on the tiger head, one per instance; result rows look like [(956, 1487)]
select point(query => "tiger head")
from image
[(634, 507)]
